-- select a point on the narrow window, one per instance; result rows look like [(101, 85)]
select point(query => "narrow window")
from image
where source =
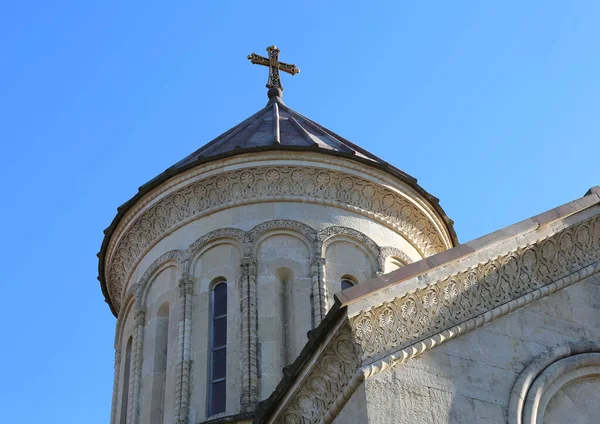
[(347, 283), (160, 364), (218, 360), (125, 389), (286, 280)]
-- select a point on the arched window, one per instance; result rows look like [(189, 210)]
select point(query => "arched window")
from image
[(218, 353), (160, 364), (347, 282), (125, 388)]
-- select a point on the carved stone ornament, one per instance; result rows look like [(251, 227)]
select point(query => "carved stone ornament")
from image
[(334, 368), (278, 224), (177, 256), (548, 373), (387, 251), (413, 316), (268, 183), (398, 330), (334, 230)]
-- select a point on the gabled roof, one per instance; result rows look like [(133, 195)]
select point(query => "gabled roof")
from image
[(350, 297), (457, 253)]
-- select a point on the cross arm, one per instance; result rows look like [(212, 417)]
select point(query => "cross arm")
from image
[(258, 59), (290, 69)]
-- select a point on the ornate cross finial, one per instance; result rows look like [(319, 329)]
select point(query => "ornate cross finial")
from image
[(274, 67)]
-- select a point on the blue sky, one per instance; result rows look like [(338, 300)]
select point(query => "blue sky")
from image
[(493, 106)]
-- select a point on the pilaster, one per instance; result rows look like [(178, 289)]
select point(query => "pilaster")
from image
[(249, 311), (182, 385), (115, 394), (138, 348), (319, 290)]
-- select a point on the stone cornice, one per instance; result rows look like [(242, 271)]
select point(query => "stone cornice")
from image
[(396, 330), (159, 216), (459, 297)]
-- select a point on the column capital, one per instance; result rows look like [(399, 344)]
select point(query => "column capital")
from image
[(140, 317), (186, 285), (248, 261)]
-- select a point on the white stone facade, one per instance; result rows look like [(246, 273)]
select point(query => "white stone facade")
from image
[(227, 279), (282, 230), (505, 328)]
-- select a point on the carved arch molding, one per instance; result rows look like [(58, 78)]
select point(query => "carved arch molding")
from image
[(549, 373), (261, 184), (247, 241)]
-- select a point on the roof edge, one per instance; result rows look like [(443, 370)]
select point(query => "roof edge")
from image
[(353, 294), (172, 172)]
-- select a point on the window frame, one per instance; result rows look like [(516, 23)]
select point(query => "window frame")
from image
[(351, 282), (211, 382)]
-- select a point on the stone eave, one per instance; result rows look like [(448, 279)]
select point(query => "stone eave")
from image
[(173, 172), (369, 288), (353, 305)]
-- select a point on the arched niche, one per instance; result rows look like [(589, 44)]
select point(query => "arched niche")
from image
[(216, 263), (391, 258), (284, 288), (172, 259), (157, 294), (561, 385), (234, 237)]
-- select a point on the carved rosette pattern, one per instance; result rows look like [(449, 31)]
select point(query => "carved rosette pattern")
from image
[(460, 297), (292, 183), (249, 312), (332, 370)]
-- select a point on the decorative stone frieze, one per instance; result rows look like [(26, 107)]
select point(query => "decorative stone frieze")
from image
[(432, 309), (332, 370), (260, 184), (395, 331)]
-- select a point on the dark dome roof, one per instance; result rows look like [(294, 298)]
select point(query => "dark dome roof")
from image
[(274, 127)]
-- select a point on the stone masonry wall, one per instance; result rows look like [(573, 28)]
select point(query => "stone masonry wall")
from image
[(469, 379)]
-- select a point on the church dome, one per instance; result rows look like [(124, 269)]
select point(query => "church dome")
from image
[(218, 268), (274, 128)]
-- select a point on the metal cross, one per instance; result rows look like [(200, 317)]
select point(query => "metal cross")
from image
[(274, 66)]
